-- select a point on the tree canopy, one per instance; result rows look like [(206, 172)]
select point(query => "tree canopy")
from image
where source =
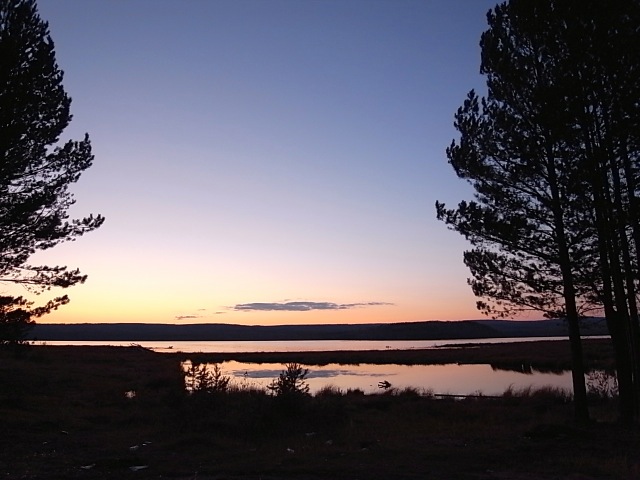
[(36, 171), (552, 152)]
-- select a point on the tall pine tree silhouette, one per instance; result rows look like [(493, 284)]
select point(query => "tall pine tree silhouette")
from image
[(35, 170), (552, 154)]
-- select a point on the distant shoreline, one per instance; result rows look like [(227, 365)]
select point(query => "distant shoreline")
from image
[(428, 330)]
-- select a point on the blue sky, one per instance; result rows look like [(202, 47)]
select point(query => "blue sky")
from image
[(267, 161)]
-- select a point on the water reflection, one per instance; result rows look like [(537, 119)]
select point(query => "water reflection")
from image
[(450, 379), (294, 346)]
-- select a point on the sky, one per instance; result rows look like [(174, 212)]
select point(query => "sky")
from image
[(266, 161)]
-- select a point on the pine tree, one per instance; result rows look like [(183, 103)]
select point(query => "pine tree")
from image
[(609, 126), (35, 171), (552, 154)]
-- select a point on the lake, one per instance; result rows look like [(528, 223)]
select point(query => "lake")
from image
[(294, 346), (450, 379)]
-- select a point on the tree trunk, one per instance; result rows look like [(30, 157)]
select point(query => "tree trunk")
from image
[(581, 409), (614, 292), (633, 220)]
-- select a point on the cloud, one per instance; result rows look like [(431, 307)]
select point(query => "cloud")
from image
[(200, 313), (302, 306)]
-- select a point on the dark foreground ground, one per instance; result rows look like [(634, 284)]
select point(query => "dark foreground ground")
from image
[(64, 414)]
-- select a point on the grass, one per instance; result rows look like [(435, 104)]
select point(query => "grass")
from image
[(64, 408)]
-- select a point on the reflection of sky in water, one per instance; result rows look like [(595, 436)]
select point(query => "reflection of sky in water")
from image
[(295, 346), (314, 372), (451, 379)]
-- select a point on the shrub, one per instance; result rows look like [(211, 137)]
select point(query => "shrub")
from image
[(356, 392), (200, 378), (409, 392), (291, 382), (548, 394), (329, 391), (602, 385)]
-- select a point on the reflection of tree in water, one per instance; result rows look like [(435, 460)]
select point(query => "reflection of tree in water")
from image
[(527, 368)]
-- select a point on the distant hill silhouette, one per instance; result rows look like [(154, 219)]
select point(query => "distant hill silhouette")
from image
[(431, 330)]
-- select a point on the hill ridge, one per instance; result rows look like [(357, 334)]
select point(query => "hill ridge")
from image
[(424, 330)]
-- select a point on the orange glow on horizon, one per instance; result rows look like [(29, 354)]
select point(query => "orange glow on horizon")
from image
[(85, 310)]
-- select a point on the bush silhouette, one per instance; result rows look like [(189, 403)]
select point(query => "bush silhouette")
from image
[(291, 382), (200, 379)]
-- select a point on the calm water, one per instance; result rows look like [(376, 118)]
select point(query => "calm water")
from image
[(440, 379), (295, 346)]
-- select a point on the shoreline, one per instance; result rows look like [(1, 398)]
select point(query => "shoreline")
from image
[(68, 414), (552, 356), (543, 355)]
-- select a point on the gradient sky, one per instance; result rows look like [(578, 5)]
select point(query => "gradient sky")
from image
[(266, 161)]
